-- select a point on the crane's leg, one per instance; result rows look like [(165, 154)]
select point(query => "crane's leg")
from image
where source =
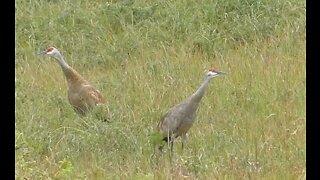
[(160, 148), (171, 139), (170, 144), (107, 115), (184, 139), (168, 141), (165, 139)]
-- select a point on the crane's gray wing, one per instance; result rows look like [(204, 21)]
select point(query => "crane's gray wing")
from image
[(170, 121)]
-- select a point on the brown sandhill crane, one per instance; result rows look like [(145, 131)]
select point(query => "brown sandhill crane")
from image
[(81, 94), (180, 118)]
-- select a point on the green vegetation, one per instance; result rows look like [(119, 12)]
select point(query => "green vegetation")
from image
[(146, 56)]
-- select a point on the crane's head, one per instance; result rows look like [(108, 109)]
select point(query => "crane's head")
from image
[(213, 72), (51, 51)]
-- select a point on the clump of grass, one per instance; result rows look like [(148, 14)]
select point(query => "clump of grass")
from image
[(146, 57)]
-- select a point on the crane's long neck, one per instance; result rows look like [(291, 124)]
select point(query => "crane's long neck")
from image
[(197, 96), (62, 62), (71, 75)]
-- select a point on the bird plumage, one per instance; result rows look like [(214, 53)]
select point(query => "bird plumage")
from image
[(81, 94), (180, 118)]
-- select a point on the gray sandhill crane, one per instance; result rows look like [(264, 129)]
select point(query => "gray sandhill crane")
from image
[(180, 118), (81, 94)]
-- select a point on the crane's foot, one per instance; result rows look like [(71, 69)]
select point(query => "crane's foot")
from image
[(106, 120), (161, 148)]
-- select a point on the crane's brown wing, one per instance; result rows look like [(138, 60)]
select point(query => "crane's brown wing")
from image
[(98, 99), (84, 98), (92, 94)]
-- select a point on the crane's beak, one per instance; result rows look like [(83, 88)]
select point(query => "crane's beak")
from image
[(42, 53), (222, 73)]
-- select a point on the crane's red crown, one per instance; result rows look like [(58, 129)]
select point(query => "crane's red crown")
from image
[(49, 49), (212, 69)]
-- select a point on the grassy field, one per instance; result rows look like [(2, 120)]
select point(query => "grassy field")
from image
[(146, 56)]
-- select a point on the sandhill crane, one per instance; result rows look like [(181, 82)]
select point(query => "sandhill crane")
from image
[(179, 119), (81, 94)]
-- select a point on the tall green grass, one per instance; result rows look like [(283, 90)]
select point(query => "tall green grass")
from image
[(146, 56)]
